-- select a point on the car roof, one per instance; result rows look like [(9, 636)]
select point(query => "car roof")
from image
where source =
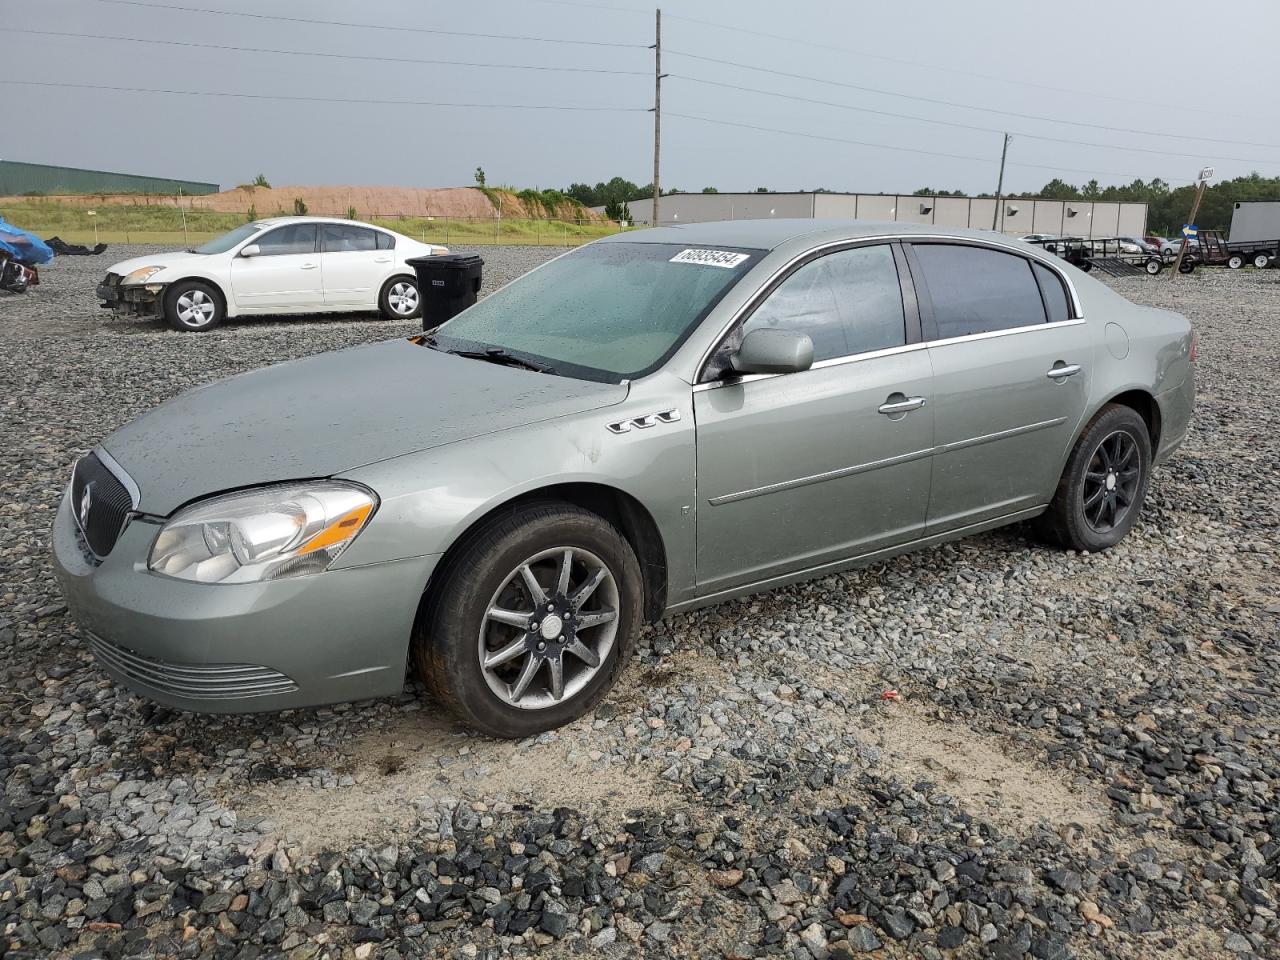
[(773, 232), (278, 221)]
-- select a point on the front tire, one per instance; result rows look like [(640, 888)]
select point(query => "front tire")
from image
[(1104, 484), (532, 621), (399, 299), (1153, 266), (1235, 261), (193, 307)]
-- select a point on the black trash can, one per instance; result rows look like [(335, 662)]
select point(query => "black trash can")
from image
[(447, 285)]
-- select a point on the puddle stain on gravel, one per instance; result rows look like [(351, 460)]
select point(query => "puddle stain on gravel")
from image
[(420, 759)]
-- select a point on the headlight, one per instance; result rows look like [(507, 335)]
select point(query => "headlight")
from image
[(141, 275), (264, 534)]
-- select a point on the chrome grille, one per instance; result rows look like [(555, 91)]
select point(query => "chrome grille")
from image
[(208, 681), (101, 504)]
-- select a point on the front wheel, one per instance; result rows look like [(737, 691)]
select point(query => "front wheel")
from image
[(1104, 484), (193, 306), (1235, 261), (399, 299), (1154, 266), (532, 621)]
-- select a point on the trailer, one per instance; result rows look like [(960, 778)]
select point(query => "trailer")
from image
[(1215, 250), (1254, 220)]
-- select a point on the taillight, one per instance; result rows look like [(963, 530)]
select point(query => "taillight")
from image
[(1195, 344)]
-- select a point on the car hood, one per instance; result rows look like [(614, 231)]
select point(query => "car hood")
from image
[(331, 413), (125, 267)]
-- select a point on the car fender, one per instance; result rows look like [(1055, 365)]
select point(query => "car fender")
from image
[(431, 498)]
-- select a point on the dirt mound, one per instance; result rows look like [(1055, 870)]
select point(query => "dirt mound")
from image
[(369, 203)]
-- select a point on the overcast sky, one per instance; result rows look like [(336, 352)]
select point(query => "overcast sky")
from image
[(1117, 65)]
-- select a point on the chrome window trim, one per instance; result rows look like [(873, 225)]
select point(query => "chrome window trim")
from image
[(820, 365), (754, 300)]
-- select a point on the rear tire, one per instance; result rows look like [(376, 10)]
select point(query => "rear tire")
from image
[(1186, 266), (1260, 260), (500, 673), (400, 299), (193, 307), (1104, 484)]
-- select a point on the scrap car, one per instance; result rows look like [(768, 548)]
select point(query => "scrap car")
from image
[(651, 423)]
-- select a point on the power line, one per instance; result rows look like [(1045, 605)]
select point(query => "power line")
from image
[(965, 106), (1091, 94), (310, 53), (340, 100), (397, 28), (953, 123), (928, 153)]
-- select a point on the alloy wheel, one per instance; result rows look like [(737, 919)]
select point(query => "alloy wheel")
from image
[(403, 298), (549, 628), (1111, 481), (195, 308)]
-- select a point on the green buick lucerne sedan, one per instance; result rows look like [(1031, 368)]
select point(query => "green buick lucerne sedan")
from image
[(656, 421)]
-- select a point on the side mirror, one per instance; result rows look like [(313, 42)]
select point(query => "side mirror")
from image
[(251, 250), (769, 350)]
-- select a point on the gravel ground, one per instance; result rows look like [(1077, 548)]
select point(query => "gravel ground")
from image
[(1083, 758)]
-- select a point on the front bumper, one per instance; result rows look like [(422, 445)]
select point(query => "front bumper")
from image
[(240, 648), (134, 300)]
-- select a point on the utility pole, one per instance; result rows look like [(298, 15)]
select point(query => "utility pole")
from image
[(657, 113), (1203, 179), (1004, 152)]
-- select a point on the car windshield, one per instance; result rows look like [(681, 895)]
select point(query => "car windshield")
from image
[(610, 311), (228, 240)]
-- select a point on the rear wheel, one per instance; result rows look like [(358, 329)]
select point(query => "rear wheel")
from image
[(1260, 260), (532, 621), (1186, 266), (193, 306), (399, 299), (1104, 484)]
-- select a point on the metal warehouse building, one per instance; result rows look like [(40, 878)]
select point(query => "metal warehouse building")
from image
[(19, 179), (1017, 216)]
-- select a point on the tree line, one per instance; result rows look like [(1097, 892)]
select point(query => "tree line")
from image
[(1167, 206)]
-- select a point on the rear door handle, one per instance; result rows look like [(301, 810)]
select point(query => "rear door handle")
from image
[(309, 266), (906, 405), (1060, 371), (382, 260)]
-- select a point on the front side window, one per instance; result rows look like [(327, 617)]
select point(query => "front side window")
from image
[(976, 290), (295, 238), (609, 311), (339, 238), (848, 302)]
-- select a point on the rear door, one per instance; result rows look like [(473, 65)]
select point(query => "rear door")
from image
[(1011, 367), (353, 265), (285, 275), (801, 469)]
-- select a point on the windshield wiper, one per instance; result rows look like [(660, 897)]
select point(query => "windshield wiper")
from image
[(500, 356)]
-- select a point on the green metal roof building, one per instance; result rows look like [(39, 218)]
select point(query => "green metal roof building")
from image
[(22, 179)]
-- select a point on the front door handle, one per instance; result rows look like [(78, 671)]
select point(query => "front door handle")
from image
[(1060, 371), (309, 266), (892, 407)]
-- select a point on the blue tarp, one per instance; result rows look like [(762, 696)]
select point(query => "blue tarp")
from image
[(23, 246)]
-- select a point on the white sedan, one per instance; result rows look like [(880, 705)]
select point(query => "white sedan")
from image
[(276, 266)]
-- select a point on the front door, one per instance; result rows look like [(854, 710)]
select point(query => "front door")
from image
[(803, 469), (353, 265), (1011, 368), (285, 275)]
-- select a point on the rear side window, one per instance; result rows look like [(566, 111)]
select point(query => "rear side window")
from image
[(295, 238), (848, 302), (386, 241), (976, 290), (343, 239), (1054, 293)]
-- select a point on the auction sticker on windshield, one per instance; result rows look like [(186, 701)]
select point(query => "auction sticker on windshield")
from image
[(710, 258)]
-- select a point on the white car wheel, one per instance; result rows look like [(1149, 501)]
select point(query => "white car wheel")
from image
[(192, 306), (400, 299)]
